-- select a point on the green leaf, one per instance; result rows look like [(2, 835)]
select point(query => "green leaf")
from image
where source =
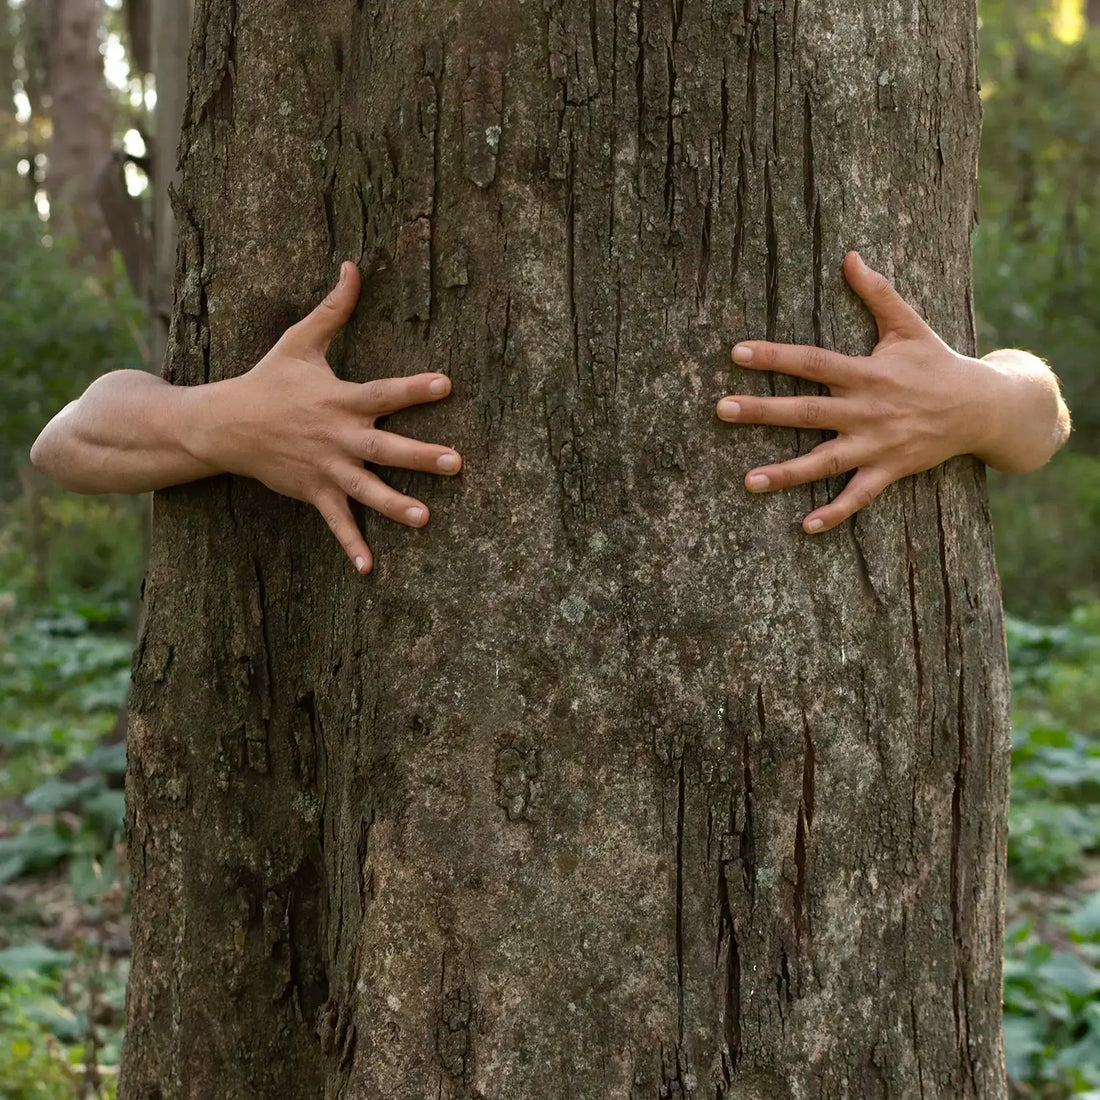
[(1071, 974), (1023, 1039), (29, 959), (1086, 917)]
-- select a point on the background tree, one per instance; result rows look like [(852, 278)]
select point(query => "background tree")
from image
[(609, 783), (80, 118)]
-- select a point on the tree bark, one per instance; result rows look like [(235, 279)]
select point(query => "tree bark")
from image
[(171, 32), (610, 783), (80, 119)]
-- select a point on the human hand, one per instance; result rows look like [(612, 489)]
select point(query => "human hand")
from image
[(910, 405), (290, 423)]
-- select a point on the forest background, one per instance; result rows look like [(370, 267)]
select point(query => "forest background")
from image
[(72, 307)]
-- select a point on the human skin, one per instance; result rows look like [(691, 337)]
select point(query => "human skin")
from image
[(292, 424), (908, 406), (289, 422)]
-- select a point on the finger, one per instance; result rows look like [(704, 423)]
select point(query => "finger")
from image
[(891, 311), (389, 395), (787, 412), (803, 361), (315, 331), (864, 487), (829, 459), (389, 449), (334, 508), (371, 490)]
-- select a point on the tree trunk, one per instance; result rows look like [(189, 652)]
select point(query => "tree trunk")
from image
[(171, 33), (80, 119), (610, 783)]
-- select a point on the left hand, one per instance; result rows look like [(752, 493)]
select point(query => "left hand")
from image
[(910, 405)]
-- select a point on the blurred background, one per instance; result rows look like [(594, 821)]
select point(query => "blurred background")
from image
[(86, 268)]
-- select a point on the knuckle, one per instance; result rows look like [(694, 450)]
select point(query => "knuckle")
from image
[(815, 362), (371, 447), (833, 466), (813, 412), (863, 496), (372, 393), (355, 486)]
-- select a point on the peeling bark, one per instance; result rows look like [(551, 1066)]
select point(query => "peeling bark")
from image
[(610, 783)]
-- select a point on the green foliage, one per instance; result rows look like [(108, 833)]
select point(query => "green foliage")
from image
[(1046, 527), (59, 329), (1052, 1008), (63, 676), (43, 1040), (1052, 980)]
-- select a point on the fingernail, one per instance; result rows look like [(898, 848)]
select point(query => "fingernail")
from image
[(758, 483), (343, 274), (742, 354), (415, 516), (729, 409), (438, 385), (814, 526), (448, 463), (359, 563)]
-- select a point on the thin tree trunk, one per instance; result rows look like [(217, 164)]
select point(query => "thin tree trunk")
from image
[(610, 783), (171, 35), (80, 120)]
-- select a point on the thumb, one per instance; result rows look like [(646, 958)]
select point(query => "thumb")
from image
[(891, 311), (315, 331)]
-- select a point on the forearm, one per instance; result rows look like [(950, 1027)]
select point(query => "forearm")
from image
[(1029, 420), (130, 432)]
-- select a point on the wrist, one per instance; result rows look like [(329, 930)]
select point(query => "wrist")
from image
[(992, 427), (199, 429)]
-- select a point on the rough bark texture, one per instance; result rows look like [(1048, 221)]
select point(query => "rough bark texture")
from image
[(80, 120), (170, 32), (610, 783)]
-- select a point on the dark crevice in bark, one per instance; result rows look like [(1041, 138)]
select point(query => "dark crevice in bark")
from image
[(802, 830), (670, 139), (571, 253), (639, 81), (680, 793), (861, 561), (945, 580), (436, 67), (771, 263), (703, 265), (959, 917), (739, 213), (813, 213), (723, 127), (731, 978), (911, 575)]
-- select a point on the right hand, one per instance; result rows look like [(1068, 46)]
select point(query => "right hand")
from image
[(292, 424)]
